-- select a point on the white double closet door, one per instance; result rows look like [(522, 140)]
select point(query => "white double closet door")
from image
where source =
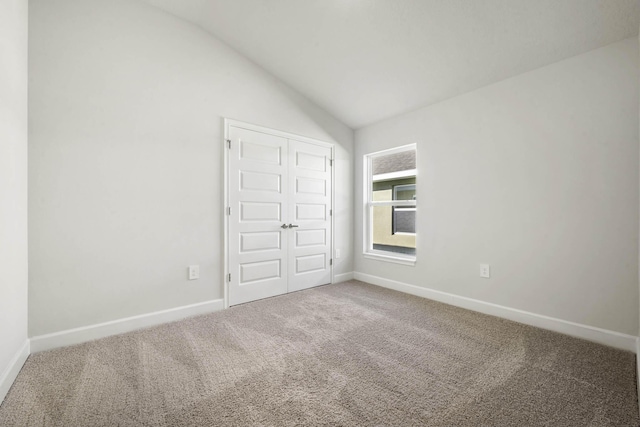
[(280, 217)]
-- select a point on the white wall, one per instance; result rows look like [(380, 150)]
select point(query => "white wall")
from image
[(13, 187), (126, 107), (536, 175)]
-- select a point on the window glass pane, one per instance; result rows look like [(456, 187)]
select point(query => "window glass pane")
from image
[(404, 220), (396, 162), (394, 189), (384, 236)]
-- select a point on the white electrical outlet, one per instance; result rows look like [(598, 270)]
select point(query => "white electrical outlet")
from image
[(337, 253), (485, 271), (194, 272)]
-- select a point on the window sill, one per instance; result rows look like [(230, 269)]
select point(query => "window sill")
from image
[(390, 258)]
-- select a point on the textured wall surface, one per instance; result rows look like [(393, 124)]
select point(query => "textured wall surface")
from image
[(537, 176), (126, 181), (13, 180)]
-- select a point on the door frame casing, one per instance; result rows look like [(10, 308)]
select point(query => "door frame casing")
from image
[(227, 123)]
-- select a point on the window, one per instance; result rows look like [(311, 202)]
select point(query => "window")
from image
[(390, 211)]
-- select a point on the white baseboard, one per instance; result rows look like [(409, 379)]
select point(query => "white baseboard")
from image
[(590, 333), (638, 369), (343, 277), (11, 372), (114, 327)]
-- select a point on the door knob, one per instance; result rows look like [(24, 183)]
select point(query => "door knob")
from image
[(284, 226), (293, 226)]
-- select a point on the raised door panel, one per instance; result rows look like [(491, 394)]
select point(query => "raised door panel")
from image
[(260, 241), (258, 181), (312, 186), (310, 237)]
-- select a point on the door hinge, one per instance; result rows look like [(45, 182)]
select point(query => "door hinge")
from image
[(330, 212), (229, 210), (330, 162), (229, 143), (331, 261), (229, 278)]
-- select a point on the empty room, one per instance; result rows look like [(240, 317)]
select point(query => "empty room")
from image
[(319, 212)]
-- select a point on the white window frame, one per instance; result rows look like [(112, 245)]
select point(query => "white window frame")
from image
[(369, 203)]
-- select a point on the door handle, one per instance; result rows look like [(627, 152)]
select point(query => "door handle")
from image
[(285, 226), (293, 226)]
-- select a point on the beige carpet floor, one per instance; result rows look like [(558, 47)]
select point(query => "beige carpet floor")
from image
[(349, 354)]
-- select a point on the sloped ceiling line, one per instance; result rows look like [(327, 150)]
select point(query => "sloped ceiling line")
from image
[(367, 60)]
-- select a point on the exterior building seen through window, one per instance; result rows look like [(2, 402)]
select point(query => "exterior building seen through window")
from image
[(391, 203)]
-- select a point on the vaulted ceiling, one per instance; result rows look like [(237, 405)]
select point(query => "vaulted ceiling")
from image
[(367, 60)]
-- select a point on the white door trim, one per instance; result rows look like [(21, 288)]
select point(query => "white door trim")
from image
[(257, 128)]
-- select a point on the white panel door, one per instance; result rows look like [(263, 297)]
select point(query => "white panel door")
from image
[(280, 221), (258, 193), (309, 209)]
